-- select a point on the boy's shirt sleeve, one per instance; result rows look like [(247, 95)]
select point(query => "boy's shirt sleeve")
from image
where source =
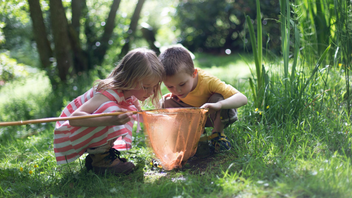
[(208, 85), (220, 87)]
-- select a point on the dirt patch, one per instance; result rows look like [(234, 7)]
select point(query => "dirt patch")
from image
[(201, 160)]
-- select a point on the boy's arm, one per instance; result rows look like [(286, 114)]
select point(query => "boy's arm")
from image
[(235, 101), (231, 102)]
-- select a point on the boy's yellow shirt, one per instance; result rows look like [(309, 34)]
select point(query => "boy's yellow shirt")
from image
[(206, 86)]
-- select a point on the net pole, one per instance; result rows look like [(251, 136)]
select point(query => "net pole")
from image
[(55, 119)]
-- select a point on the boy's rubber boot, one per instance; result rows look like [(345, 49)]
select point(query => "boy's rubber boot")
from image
[(220, 142), (203, 148), (210, 137)]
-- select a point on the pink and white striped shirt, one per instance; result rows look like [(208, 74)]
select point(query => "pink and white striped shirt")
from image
[(71, 142)]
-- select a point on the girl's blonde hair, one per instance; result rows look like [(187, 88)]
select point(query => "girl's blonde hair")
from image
[(136, 66)]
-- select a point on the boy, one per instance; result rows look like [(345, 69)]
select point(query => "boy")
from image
[(192, 87)]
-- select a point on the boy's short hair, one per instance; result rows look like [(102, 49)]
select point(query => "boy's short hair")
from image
[(176, 58)]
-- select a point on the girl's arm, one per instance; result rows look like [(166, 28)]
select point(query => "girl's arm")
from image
[(138, 105), (90, 106)]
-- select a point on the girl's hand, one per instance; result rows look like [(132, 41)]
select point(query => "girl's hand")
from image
[(121, 119), (90, 106), (213, 107)]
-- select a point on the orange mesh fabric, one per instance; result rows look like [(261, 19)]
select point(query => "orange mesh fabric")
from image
[(173, 133)]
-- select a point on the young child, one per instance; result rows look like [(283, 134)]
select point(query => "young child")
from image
[(138, 76), (191, 87)]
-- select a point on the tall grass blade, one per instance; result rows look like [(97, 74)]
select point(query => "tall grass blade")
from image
[(253, 43), (257, 48), (321, 24), (259, 34), (321, 59), (343, 39), (295, 53), (285, 35), (251, 84)]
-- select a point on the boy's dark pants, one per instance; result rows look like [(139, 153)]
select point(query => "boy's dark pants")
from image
[(228, 116)]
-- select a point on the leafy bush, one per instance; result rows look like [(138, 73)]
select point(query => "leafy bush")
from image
[(10, 69), (213, 26)]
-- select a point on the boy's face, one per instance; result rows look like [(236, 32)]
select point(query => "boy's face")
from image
[(181, 83)]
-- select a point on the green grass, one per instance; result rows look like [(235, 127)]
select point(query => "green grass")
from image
[(36, 84), (307, 155)]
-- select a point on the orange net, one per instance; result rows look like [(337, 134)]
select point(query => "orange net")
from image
[(174, 133)]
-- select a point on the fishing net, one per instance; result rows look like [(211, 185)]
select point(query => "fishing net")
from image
[(173, 134)]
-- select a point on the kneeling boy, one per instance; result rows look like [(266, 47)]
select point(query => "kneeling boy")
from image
[(193, 87)]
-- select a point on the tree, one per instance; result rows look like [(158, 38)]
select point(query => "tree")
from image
[(40, 35), (70, 55), (133, 27), (59, 28)]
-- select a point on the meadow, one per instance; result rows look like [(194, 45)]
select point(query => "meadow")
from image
[(278, 150)]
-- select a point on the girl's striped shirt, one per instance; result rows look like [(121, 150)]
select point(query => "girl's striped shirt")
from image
[(71, 142)]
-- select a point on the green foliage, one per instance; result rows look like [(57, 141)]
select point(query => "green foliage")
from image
[(10, 69), (15, 9), (223, 25), (343, 57), (2, 38), (304, 157), (34, 98), (316, 22), (258, 87), (16, 32), (298, 144), (290, 99)]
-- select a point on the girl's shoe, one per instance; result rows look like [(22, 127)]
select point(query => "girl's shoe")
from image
[(109, 162)]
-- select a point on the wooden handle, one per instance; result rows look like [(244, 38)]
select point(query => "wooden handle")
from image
[(44, 120)]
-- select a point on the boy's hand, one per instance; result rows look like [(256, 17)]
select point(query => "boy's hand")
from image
[(170, 95), (213, 107)]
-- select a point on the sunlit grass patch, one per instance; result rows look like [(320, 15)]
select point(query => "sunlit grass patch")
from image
[(227, 67), (25, 88)]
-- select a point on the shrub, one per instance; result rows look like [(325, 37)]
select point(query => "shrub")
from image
[(10, 69), (213, 26)]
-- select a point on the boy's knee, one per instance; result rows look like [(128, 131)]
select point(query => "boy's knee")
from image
[(227, 116), (168, 101)]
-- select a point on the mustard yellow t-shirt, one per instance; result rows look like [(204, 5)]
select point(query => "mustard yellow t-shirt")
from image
[(207, 85)]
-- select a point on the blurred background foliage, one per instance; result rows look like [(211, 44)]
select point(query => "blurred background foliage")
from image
[(214, 26), (94, 42), (81, 40)]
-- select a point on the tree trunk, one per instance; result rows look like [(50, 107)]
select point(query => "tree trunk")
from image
[(61, 38), (100, 51), (149, 35), (90, 33), (80, 62), (132, 28), (40, 34), (76, 7)]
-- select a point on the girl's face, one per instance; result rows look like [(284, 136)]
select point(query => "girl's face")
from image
[(144, 91)]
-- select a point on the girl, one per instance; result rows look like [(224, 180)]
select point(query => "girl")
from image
[(137, 77)]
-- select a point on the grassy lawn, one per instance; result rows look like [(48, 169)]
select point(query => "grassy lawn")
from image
[(303, 155)]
